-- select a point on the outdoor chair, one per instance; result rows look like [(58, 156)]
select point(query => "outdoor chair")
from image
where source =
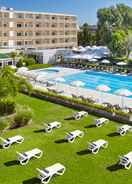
[(9, 141), (126, 160), (79, 115), (95, 146), (71, 136), (46, 174), (24, 158), (101, 121), (50, 126), (122, 130)]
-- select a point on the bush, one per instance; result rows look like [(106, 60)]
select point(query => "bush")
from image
[(7, 106), (22, 117), (39, 66), (4, 123), (26, 61)]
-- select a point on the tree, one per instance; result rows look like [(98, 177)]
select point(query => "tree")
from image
[(10, 84), (117, 45), (129, 43), (86, 36)]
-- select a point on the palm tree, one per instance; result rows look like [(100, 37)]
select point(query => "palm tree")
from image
[(10, 84)]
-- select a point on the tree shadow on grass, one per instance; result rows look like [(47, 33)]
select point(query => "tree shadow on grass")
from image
[(113, 134), (11, 163), (90, 126), (60, 141), (114, 167), (83, 152), (32, 181)]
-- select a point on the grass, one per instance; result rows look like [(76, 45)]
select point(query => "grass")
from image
[(81, 167)]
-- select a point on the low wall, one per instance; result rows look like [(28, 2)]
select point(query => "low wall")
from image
[(91, 110)]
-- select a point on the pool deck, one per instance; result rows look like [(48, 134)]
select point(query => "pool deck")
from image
[(78, 91), (96, 95)]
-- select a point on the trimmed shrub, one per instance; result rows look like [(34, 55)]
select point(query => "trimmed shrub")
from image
[(26, 61), (4, 123), (39, 66), (7, 106), (22, 117)]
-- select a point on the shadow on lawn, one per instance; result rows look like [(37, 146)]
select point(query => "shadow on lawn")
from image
[(113, 134), (60, 141), (70, 118), (1, 147), (83, 152), (90, 126), (32, 181), (114, 167), (11, 163), (39, 131)]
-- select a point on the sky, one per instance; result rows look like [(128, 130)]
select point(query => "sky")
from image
[(84, 9)]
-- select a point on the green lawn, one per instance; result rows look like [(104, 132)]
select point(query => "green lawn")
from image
[(81, 167)]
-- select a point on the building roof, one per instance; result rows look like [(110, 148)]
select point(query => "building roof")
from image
[(32, 12), (4, 56)]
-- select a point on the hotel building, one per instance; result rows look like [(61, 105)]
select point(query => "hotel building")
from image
[(23, 29)]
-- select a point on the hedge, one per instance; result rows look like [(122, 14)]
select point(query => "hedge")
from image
[(39, 66), (7, 106)]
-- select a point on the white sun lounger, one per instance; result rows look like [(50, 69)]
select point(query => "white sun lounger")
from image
[(71, 136), (9, 141), (126, 160), (99, 122), (79, 115), (50, 126), (46, 174), (26, 156), (122, 130), (95, 146)]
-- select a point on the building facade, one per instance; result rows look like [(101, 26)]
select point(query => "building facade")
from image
[(22, 29)]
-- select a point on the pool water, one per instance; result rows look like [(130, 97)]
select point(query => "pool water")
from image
[(92, 79), (50, 70)]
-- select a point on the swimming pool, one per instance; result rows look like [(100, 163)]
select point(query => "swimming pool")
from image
[(93, 78), (50, 70)]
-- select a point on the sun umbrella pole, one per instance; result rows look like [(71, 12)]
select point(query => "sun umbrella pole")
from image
[(122, 101)]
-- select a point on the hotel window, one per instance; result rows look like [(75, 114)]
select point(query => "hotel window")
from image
[(20, 16), (20, 34), (28, 33), (5, 43), (19, 25), (54, 33), (54, 41), (54, 25), (19, 43), (5, 34), (6, 15), (5, 25), (38, 16), (29, 16), (38, 25), (38, 42), (38, 33)]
